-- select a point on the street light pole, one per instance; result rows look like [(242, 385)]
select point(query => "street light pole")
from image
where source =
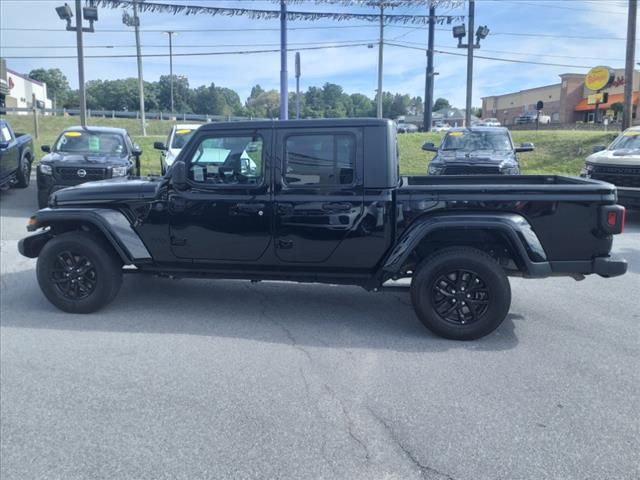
[(428, 87), (470, 47), (380, 58), (136, 23), (170, 33), (627, 111), (81, 83), (284, 93)]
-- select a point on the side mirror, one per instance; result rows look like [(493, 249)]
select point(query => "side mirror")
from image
[(179, 175), (4, 145), (136, 151), (159, 146), (429, 147), (525, 147), (45, 148), (598, 148)]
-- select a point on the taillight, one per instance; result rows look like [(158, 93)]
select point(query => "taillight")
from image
[(612, 218)]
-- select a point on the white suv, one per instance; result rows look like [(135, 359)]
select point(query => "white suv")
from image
[(619, 163), (178, 137)]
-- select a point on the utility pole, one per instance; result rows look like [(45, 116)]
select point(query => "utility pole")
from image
[(81, 83), (136, 24), (284, 90), (628, 71), (429, 78), (170, 33), (380, 58), (470, 47), (298, 72)]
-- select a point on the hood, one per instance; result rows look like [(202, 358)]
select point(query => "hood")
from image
[(624, 157), (107, 191), (475, 157), (84, 159)]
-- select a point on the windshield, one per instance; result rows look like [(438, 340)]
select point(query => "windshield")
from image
[(181, 137), (91, 142), (627, 141), (469, 141)]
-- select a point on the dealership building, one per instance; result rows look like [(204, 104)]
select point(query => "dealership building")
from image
[(565, 102)]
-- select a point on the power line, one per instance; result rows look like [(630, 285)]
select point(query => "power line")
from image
[(193, 54), (508, 60), (328, 42)]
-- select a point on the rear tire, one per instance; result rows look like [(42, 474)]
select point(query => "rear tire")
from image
[(23, 175), (78, 272), (461, 293)]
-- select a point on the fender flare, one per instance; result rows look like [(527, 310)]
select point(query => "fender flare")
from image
[(515, 227), (115, 227)]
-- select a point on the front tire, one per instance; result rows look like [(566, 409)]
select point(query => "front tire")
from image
[(23, 175), (461, 293), (78, 273)]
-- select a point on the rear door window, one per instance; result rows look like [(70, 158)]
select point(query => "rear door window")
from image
[(320, 160)]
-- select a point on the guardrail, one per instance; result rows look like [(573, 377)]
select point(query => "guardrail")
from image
[(133, 115)]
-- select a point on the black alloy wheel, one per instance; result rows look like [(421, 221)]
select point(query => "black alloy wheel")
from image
[(460, 297), (74, 275)]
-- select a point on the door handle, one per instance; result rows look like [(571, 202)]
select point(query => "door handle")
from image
[(336, 207), (251, 208)]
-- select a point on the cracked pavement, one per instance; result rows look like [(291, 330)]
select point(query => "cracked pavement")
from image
[(199, 379)]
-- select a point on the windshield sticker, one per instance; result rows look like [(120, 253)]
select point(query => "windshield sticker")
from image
[(72, 134), (183, 131), (631, 134), (456, 134), (94, 144)]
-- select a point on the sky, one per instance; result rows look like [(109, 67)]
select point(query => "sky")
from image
[(576, 34)]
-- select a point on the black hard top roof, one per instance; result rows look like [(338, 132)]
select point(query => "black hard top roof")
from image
[(311, 123)]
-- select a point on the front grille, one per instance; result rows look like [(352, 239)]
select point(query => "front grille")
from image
[(91, 173), (619, 176), (470, 170)]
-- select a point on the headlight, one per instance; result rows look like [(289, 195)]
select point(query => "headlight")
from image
[(119, 171), (46, 169), (434, 170), (586, 171), (511, 171)]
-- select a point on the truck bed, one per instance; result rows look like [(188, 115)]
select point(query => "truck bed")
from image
[(505, 183)]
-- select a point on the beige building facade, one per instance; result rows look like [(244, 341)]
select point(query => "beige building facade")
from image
[(565, 102)]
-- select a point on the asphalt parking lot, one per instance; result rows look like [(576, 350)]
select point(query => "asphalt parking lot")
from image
[(196, 379)]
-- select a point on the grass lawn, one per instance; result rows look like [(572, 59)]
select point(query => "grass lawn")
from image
[(556, 151)]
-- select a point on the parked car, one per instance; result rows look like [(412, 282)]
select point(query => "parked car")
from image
[(404, 127), (619, 163), (476, 150), (16, 157), (440, 127), (178, 137), (326, 205), (490, 122), (86, 154), (532, 117)]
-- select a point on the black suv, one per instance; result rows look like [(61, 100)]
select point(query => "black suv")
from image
[(85, 154), (476, 150)]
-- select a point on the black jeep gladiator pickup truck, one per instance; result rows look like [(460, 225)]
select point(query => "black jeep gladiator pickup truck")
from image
[(324, 202)]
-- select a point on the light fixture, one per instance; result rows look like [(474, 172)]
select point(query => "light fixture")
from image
[(482, 32), (90, 14), (459, 32), (64, 12)]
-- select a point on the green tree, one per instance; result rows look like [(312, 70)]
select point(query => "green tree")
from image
[(440, 104), (362, 106), (314, 103), (399, 106), (57, 83), (182, 94), (265, 104)]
